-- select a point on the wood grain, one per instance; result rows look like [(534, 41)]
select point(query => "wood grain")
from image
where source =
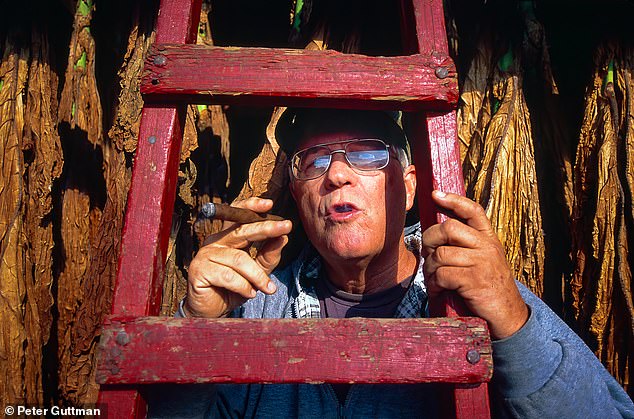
[(159, 350), (266, 76)]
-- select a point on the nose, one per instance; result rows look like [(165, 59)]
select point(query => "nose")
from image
[(339, 173)]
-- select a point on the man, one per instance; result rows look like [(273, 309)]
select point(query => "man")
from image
[(353, 183)]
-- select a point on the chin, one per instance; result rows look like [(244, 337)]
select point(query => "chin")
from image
[(348, 246)]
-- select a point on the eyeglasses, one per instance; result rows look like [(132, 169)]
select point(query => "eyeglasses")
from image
[(362, 154)]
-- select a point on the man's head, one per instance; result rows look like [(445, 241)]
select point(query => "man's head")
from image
[(350, 177), (296, 123)]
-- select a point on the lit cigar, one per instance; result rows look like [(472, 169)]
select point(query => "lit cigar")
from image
[(239, 215)]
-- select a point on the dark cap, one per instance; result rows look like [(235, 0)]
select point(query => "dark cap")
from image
[(296, 123)]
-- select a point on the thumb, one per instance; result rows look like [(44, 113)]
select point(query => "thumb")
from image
[(464, 209)]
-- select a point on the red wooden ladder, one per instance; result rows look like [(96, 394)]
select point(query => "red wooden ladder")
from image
[(136, 350)]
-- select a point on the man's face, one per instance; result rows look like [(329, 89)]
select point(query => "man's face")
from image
[(352, 214)]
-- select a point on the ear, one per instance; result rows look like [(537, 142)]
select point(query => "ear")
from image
[(409, 178)]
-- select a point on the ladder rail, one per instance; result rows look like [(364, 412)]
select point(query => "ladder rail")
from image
[(440, 148), (204, 74), (152, 191), (417, 350)]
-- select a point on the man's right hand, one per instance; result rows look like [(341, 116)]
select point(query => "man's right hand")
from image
[(222, 275)]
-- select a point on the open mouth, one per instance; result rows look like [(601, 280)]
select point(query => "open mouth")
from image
[(343, 208), (343, 211)]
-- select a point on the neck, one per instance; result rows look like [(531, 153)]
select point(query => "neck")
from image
[(372, 274)]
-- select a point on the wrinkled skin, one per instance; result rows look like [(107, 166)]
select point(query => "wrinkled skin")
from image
[(355, 221), (362, 247)]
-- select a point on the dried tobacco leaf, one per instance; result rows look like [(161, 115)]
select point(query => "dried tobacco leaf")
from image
[(603, 224), (125, 128), (75, 233), (13, 335), (500, 174), (88, 238), (553, 158), (268, 176), (96, 288), (46, 165), (470, 109), (80, 105)]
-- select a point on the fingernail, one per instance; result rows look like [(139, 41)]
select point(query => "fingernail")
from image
[(440, 194), (271, 287)]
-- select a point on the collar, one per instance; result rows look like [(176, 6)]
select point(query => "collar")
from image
[(306, 304)]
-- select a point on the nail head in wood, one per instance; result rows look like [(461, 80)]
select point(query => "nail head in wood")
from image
[(123, 338), (473, 356), (160, 60), (442, 72)]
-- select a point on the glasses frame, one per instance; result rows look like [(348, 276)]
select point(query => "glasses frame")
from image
[(339, 150)]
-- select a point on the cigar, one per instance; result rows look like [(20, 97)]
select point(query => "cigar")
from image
[(239, 215)]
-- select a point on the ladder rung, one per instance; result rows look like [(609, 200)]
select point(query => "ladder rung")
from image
[(159, 350), (267, 76)]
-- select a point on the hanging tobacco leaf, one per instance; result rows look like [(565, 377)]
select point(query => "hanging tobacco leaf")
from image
[(602, 213), (553, 157), (80, 105), (76, 234), (44, 166), (89, 227), (499, 170), (471, 113), (125, 127), (94, 295), (13, 334)]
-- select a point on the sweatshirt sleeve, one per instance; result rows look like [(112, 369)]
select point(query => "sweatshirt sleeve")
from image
[(546, 371)]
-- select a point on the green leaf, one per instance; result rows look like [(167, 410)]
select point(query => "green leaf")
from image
[(84, 7), (298, 10), (81, 63)]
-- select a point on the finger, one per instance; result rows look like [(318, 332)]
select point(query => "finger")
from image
[(270, 253), (255, 204), (259, 205), (242, 264), (451, 232), (242, 235), (464, 208), (226, 278), (446, 278), (448, 256)]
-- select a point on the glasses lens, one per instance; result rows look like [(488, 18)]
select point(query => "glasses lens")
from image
[(367, 154), (311, 163)]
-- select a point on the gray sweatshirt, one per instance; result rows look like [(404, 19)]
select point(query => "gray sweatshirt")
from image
[(543, 371)]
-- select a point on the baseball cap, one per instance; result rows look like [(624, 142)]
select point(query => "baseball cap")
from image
[(296, 123)]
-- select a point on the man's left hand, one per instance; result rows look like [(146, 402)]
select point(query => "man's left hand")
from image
[(467, 257)]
